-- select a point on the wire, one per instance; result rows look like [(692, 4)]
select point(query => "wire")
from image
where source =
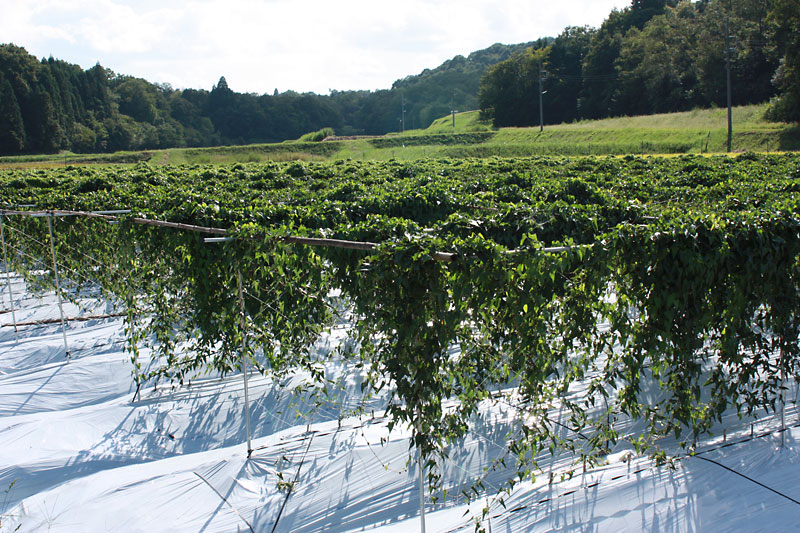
[(226, 501), (61, 265), (289, 492), (749, 479)]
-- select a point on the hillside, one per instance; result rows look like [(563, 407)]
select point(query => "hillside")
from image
[(50, 105), (656, 56), (697, 131), (643, 59), (452, 85)]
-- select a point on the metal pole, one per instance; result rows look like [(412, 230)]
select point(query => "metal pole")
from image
[(58, 283), (244, 366), (421, 468), (8, 280), (783, 405), (728, 77)]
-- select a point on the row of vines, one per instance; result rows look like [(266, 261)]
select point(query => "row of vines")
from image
[(672, 298)]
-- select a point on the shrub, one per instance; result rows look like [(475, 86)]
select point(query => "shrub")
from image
[(317, 136)]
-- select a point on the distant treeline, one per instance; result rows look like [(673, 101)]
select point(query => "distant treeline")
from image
[(656, 56), (653, 56), (51, 105)]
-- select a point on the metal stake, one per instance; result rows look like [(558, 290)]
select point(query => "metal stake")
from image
[(244, 366), (58, 283), (421, 468), (8, 280), (783, 406)]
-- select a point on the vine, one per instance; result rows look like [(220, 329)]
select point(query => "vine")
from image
[(643, 298)]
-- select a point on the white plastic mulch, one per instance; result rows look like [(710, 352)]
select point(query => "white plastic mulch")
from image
[(77, 453)]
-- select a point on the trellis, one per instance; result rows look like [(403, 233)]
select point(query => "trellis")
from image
[(219, 235)]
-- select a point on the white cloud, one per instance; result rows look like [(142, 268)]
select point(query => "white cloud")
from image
[(311, 45)]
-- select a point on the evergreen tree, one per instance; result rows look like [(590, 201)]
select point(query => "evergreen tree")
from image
[(509, 93), (785, 14), (564, 74), (12, 130)]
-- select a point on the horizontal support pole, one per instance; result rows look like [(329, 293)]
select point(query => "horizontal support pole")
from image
[(62, 213), (178, 225), (549, 250), (331, 243), (146, 221), (446, 257)]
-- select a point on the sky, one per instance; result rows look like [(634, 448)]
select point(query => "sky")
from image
[(263, 45)]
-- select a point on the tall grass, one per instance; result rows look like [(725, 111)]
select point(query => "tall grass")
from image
[(317, 136)]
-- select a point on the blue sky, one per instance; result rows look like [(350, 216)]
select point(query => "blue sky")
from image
[(261, 45)]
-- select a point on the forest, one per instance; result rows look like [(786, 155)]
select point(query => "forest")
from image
[(653, 56), (51, 105), (656, 56)]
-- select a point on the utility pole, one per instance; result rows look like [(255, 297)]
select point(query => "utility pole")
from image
[(541, 111), (453, 109), (402, 114), (728, 72)]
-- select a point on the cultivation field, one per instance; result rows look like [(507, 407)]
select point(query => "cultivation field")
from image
[(483, 322)]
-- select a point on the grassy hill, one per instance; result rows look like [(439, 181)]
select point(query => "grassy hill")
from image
[(698, 131)]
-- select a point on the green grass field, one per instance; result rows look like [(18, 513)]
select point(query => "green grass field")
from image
[(698, 131)]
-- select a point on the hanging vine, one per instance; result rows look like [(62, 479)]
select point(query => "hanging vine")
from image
[(640, 298)]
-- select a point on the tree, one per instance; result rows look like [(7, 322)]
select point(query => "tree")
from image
[(12, 130), (137, 99), (509, 90), (786, 15), (599, 76), (655, 68), (599, 93), (564, 72), (43, 131)]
